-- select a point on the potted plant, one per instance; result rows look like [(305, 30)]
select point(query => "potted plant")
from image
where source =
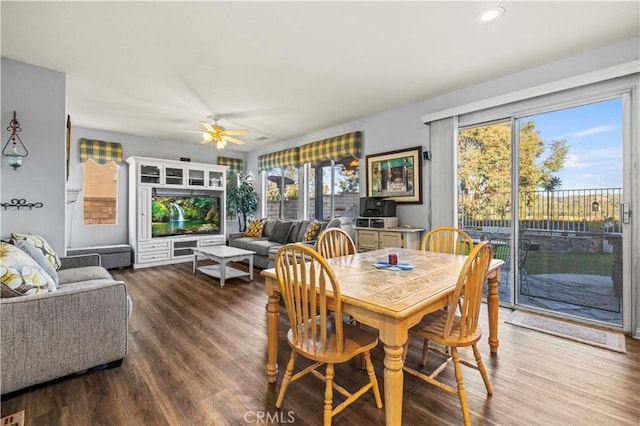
[(242, 200)]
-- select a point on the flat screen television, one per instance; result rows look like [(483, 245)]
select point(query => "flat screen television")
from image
[(184, 214)]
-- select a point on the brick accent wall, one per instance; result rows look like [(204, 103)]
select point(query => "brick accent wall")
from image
[(99, 211)]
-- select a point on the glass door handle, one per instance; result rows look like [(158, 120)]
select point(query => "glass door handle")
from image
[(625, 213)]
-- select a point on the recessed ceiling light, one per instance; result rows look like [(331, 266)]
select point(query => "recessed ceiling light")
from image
[(492, 14)]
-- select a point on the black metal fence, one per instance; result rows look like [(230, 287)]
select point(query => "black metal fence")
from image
[(570, 210)]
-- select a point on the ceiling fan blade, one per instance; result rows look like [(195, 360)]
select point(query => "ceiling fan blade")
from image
[(205, 142), (191, 131), (236, 132), (232, 139), (208, 127)]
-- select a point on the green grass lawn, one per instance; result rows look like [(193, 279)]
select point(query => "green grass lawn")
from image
[(569, 263)]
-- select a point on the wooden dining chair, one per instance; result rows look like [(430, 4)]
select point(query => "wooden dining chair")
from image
[(335, 242), (446, 239), (457, 327), (305, 278)]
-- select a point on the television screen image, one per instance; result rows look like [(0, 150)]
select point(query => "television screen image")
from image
[(179, 215)]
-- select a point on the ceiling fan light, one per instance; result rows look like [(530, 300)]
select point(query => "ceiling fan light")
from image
[(221, 144), (206, 136)]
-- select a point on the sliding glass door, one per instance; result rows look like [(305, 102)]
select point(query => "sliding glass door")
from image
[(484, 199), (569, 226), (549, 197)]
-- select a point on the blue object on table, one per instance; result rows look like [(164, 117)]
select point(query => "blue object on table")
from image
[(398, 267)]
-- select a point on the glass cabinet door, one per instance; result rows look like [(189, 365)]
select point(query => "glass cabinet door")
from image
[(216, 179), (196, 177), (173, 176), (149, 174)]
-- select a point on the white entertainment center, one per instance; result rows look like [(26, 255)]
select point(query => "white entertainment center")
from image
[(153, 177)]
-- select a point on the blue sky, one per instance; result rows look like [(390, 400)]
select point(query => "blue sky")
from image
[(594, 137)]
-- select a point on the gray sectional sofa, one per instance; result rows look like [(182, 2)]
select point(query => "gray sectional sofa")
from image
[(273, 237), (81, 325)]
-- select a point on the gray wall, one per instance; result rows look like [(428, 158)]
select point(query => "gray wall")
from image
[(79, 235), (402, 127), (38, 97)]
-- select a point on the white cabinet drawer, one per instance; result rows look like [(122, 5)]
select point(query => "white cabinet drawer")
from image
[(153, 257), (154, 246), (212, 241)]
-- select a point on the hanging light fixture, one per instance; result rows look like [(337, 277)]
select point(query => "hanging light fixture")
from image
[(14, 153)]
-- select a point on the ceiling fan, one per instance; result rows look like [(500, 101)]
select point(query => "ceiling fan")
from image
[(220, 135)]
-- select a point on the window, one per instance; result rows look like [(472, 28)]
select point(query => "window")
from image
[(282, 192), (100, 193), (330, 182), (545, 187), (334, 179), (339, 194)]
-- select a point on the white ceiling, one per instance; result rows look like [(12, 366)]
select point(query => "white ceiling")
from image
[(284, 69)]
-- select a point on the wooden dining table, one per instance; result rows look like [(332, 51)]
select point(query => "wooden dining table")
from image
[(391, 302)]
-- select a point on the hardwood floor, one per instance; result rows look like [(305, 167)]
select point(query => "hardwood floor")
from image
[(197, 356)]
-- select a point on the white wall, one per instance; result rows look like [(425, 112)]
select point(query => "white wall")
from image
[(402, 127), (79, 235), (38, 97)]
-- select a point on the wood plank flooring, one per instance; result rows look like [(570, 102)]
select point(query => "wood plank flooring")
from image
[(197, 356)]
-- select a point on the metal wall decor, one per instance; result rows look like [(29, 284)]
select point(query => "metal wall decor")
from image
[(19, 203), (14, 153)]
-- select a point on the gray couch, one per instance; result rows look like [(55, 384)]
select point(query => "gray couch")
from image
[(268, 245), (81, 325)]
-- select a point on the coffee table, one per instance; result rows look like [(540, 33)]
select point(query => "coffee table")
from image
[(222, 255)]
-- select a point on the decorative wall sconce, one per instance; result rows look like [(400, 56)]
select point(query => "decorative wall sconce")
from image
[(14, 153), (595, 206)]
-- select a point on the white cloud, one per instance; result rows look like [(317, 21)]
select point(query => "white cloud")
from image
[(594, 130), (593, 157), (574, 161), (586, 132)]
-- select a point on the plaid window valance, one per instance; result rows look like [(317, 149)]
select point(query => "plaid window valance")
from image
[(335, 148), (99, 151), (284, 158), (236, 165)]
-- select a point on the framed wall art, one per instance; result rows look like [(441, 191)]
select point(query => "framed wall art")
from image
[(396, 175)]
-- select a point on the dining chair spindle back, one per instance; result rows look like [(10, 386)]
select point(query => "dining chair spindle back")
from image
[(306, 279), (335, 242), (457, 327), (447, 240)]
